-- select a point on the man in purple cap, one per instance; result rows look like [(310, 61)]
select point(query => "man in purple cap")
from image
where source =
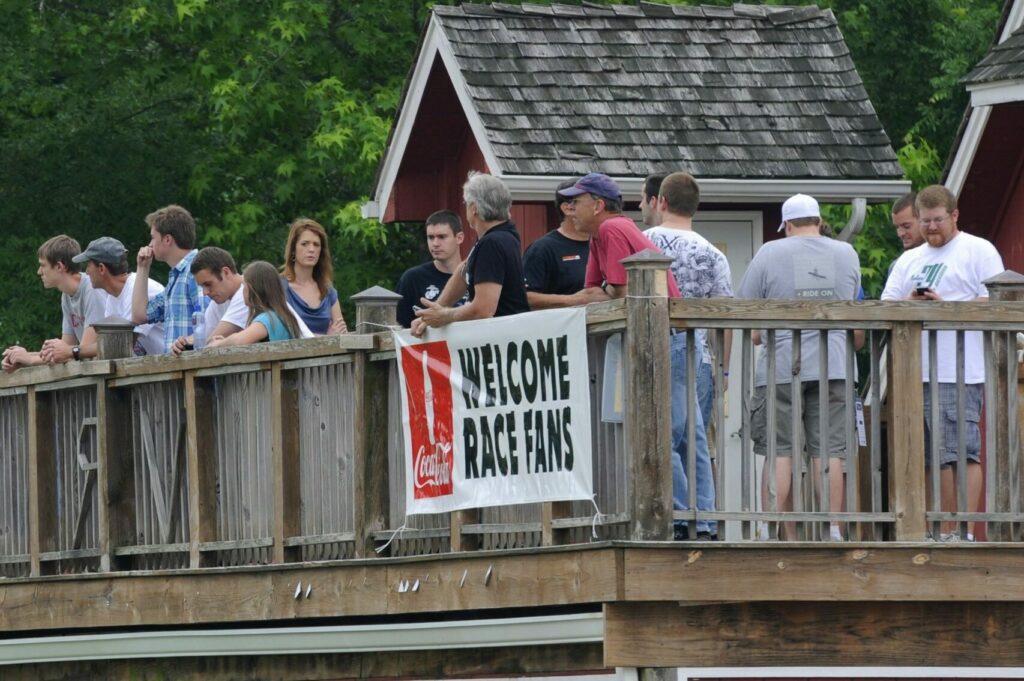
[(597, 203)]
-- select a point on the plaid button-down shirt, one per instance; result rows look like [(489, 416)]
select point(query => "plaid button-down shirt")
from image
[(176, 303)]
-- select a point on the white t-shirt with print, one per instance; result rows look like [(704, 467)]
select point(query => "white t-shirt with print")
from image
[(955, 271), (700, 269)]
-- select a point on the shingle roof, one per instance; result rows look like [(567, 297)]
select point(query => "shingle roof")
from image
[(1004, 61), (731, 92)]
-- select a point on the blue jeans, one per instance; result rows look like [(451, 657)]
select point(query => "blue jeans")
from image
[(705, 391), (680, 482)]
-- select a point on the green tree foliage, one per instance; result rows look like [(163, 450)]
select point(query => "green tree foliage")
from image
[(252, 113)]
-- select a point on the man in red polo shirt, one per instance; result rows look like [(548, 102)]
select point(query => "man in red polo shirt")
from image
[(597, 202)]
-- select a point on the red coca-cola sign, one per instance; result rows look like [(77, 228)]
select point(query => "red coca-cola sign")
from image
[(428, 389)]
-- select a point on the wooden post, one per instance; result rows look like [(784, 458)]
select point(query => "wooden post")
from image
[(375, 308), (284, 415), (648, 378), (202, 466), (906, 460), (1001, 454), (41, 482), (115, 494), (550, 511), (115, 338)]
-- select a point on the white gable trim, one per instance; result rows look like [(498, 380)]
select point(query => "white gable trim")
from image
[(980, 111), (1014, 21), (998, 92), (434, 43), (968, 148), (542, 187)]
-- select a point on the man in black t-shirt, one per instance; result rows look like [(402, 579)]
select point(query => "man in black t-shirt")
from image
[(556, 264), (444, 238), (492, 275)]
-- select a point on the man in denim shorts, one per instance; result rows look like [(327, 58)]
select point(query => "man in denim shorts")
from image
[(804, 266), (950, 265)]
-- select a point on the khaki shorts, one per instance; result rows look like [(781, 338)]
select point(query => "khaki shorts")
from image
[(837, 400)]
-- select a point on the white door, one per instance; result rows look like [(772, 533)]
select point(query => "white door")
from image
[(738, 235)]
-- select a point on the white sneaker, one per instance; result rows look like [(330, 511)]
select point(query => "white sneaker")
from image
[(835, 534)]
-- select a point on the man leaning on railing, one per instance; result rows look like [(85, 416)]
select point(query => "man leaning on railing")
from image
[(950, 265)]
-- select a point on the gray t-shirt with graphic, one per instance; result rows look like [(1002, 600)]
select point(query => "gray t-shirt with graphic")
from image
[(83, 309), (808, 269)]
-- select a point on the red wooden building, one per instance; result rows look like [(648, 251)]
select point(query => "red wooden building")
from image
[(758, 103), (986, 168)]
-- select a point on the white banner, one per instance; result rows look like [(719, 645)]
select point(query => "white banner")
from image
[(496, 411)]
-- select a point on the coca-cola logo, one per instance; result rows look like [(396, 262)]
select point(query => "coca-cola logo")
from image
[(427, 369)]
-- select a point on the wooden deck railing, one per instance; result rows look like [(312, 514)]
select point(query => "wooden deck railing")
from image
[(291, 451)]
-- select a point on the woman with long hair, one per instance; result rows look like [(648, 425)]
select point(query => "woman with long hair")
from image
[(269, 316), (307, 275)]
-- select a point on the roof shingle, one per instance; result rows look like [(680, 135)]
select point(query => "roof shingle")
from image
[(1005, 61), (747, 91)]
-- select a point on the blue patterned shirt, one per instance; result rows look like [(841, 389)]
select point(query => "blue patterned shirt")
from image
[(175, 304)]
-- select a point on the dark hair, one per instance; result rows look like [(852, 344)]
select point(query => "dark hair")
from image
[(825, 229), (323, 271), (445, 217), (652, 185), (60, 249), (681, 193), (213, 259), (610, 205), (559, 199), (935, 196), (175, 221), (267, 295), (116, 269), (904, 202), (805, 222)]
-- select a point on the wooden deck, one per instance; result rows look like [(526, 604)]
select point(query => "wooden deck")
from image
[(257, 487)]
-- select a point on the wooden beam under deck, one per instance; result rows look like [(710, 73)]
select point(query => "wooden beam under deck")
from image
[(814, 634), (556, 576)]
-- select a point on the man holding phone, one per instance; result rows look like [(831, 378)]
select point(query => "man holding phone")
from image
[(951, 265)]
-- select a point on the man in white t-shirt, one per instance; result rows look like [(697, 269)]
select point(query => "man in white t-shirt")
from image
[(81, 307), (217, 275), (106, 264), (950, 265)]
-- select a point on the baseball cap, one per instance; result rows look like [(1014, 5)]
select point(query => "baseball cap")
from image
[(106, 249), (799, 206), (597, 184)]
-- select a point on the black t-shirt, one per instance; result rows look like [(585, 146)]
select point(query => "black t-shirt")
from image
[(422, 281), (496, 259), (556, 264)]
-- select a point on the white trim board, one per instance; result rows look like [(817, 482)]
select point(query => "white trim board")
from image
[(712, 190), (998, 92), (490, 633)]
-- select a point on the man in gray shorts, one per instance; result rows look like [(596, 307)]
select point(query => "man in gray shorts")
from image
[(950, 265), (804, 266)]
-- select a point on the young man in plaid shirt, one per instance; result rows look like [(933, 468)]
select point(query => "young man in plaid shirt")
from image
[(172, 234)]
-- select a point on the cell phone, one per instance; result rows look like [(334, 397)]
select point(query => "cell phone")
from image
[(416, 308), (921, 290)]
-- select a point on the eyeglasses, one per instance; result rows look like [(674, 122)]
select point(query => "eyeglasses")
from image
[(938, 222)]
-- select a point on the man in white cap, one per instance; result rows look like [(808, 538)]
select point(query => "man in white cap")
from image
[(808, 267)]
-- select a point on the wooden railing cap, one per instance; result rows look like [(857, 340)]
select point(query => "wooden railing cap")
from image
[(1007, 279), (375, 295), (647, 259)]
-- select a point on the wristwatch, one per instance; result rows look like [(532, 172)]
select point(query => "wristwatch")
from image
[(76, 352)]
